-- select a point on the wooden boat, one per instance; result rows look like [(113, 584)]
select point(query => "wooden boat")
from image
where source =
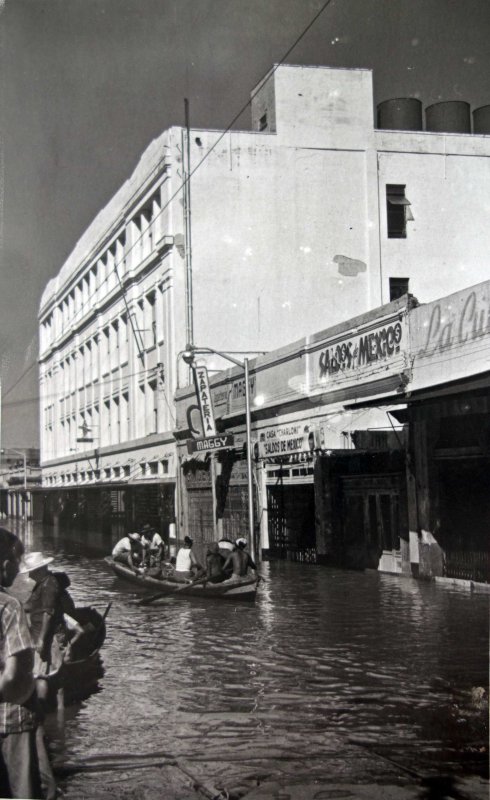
[(78, 677), (245, 590)]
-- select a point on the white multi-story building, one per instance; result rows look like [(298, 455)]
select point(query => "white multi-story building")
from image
[(308, 219)]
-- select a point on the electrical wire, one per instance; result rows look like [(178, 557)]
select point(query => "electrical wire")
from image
[(208, 153)]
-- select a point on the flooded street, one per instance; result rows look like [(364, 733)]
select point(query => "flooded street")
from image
[(384, 664)]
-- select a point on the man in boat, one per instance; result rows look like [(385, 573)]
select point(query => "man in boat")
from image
[(240, 561), (153, 546), (128, 550), (19, 765), (214, 564), (44, 611), (187, 565)]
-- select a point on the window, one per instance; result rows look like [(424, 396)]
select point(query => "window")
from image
[(397, 211), (263, 122), (398, 287), (126, 471), (153, 467)]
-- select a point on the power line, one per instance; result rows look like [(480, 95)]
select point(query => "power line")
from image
[(208, 153)]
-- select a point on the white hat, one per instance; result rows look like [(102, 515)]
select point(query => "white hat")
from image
[(134, 536), (33, 561), (240, 541)]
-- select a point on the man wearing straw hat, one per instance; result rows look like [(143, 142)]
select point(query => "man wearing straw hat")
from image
[(44, 610)]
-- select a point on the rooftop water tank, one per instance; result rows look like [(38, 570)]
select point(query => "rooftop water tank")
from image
[(481, 120), (401, 114), (452, 116)]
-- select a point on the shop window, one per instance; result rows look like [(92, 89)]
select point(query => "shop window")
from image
[(397, 211), (398, 287)]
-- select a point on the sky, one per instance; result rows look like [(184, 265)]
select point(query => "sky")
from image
[(85, 85)]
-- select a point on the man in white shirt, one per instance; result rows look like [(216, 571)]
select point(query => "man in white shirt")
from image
[(128, 550)]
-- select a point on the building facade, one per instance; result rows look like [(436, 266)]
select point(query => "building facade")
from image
[(370, 443), (311, 217)]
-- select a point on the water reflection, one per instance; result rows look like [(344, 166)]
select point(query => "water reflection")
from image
[(372, 658)]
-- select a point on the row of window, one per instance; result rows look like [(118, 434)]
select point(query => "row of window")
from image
[(132, 246), (146, 469)]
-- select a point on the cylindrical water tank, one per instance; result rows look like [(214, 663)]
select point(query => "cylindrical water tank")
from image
[(452, 116), (401, 114), (481, 120)]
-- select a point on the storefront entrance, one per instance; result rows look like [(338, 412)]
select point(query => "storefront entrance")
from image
[(465, 518), (291, 517), (371, 521)]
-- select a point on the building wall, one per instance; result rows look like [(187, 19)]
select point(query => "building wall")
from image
[(447, 178), (288, 237)]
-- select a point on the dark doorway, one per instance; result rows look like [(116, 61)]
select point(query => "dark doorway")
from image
[(291, 517)]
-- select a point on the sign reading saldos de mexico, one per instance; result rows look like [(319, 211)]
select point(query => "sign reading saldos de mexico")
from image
[(365, 356), (355, 360)]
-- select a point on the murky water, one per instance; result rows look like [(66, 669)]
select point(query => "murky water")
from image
[(383, 661)]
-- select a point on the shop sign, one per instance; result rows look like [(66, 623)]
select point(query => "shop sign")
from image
[(285, 440), (374, 349), (359, 351), (205, 402), (446, 336), (209, 443)]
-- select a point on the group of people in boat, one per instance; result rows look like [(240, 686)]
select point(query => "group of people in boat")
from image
[(35, 637), (144, 552)]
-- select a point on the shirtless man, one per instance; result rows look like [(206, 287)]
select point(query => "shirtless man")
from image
[(239, 560)]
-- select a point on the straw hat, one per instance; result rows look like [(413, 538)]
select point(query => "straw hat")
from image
[(33, 561)]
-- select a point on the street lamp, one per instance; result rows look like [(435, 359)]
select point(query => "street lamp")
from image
[(24, 457), (188, 356)]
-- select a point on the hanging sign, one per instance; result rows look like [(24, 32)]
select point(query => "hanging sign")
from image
[(210, 443), (205, 404), (286, 440)]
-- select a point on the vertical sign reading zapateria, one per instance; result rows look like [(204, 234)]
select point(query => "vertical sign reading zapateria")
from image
[(204, 398)]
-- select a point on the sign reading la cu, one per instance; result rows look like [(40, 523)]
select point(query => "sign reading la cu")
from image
[(358, 352)]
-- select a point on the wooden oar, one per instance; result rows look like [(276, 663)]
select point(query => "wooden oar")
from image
[(192, 583), (145, 601)]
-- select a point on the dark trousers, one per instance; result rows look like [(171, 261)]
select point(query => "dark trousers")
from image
[(19, 766)]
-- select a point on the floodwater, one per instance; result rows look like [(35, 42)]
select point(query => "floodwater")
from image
[(388, 662)]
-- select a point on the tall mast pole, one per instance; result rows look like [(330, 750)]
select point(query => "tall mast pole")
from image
[(188, 237)]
